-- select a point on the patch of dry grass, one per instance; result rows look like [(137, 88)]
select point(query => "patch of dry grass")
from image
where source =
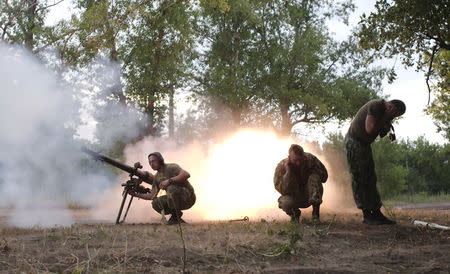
[(336, 244)]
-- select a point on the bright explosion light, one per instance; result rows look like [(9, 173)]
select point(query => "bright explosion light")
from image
[(238, 175)]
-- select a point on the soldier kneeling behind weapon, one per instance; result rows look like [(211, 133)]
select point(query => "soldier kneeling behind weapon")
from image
[(174, 180)]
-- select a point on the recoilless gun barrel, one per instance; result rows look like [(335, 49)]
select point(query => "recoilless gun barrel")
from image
[(103, 158)]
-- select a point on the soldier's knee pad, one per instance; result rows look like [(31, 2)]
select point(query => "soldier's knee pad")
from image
[(157, 205), (286, 202)]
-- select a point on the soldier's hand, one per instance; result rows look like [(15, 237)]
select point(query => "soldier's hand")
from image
[(132, 192), (164, 184), (287, 166), (391, 137)]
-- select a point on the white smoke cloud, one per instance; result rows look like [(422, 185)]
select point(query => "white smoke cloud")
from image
[(41, 166)]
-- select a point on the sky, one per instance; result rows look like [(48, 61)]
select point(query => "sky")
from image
[(409, 86)]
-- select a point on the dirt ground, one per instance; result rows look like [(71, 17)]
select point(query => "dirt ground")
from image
[(340, 244)]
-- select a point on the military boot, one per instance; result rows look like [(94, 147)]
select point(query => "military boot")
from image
[(315, 214), (369, 218), (176, 218), (295, 216), (383, 219)]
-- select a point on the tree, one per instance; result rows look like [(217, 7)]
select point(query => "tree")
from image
[(389, 167), (311, 78), (226, 70), (150, 40), (406, 27), (431, 162), (276, 59), (440, 107), (157, 56), (22, 22), (417, 31)]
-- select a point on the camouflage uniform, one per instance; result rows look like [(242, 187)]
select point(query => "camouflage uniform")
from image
[(301, 187), (179, 196), (364, 179), (359, 156)]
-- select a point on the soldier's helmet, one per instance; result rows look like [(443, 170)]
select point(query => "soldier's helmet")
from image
[(158, 156), (297, 149)]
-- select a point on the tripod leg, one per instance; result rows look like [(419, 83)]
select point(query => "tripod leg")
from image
[(125, 193), (128, 207)]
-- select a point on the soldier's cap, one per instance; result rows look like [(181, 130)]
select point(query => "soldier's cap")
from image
[(399, 105), (297, 149), (158, 156)]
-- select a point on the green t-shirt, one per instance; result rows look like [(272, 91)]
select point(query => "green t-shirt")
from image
[(169, 171), (357, 128)]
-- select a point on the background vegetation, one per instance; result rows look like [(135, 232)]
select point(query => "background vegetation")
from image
[(403, 168), (271, 64)]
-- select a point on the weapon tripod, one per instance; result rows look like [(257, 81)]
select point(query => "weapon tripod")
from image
[(134, 183)]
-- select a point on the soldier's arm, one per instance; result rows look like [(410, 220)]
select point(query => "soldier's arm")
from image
[(181, 178), (283, 178), (320, 169), (374, 125), (145, 176), (146, 196)]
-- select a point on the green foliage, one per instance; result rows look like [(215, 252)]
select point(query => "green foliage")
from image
[(416, 30), (276, 59), (293, 234), (157, 55), (389, 168), (152, 42), (222, 5), (431, 161), (406, 27), (440, 107), (22, 22), (95, 30), (402, 167), (420, 197), (227, 71)]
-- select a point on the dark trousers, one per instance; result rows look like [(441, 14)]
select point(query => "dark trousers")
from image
[(364, 179), (177, 198)]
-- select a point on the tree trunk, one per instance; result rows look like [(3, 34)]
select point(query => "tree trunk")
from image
[(286, 125), (150, 110), (30, 23), (171, 114), (114, 57), (236, 115)]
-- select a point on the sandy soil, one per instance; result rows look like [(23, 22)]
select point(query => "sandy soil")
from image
[(340, 244)]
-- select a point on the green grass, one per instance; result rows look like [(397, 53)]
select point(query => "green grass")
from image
[(416, 198)]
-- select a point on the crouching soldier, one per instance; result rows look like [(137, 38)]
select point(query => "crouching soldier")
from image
[(298, 179), (174, 180)]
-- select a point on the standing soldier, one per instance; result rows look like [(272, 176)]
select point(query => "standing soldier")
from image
[(371, 120), (172, 178), (298, 179)]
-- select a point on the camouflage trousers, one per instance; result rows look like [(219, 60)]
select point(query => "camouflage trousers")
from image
[(177, 198), (305, 196), (364, 179)]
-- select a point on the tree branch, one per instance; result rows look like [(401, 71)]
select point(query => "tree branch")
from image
[(435, 49), (440, 42), (49, 6)]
